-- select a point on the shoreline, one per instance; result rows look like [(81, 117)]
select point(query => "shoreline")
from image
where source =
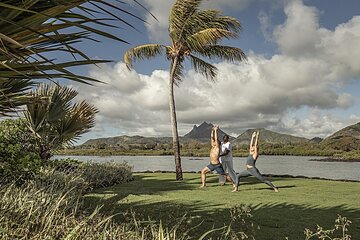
[(266, 175), (329, 159)]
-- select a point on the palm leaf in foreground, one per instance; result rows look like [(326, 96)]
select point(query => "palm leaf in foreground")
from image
[(32, 30)]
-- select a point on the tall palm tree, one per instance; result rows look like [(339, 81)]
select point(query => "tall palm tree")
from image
[(31, 29), (55, 119), (194, 33)]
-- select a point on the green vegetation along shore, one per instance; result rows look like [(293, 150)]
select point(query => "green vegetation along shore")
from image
[(331, 155), (300, 204)]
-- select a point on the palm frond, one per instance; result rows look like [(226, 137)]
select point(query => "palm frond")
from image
[(205, 68), (180, 11), (31, 29), (199, 40), (55, 119), (228, 53), (79, 120), (204, 19), (12, 95), (142, 52)]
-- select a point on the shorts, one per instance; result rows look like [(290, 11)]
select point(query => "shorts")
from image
[(216, 167)]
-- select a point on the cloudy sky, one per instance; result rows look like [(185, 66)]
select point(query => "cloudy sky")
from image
[(301, 78)]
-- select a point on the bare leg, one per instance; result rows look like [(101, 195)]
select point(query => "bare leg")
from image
[(229, 179), (204, 171)]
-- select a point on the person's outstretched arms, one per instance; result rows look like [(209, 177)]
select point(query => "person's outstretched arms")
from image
[(256, 144), (216, 135), (257, 139), (212, 137), (252, 140)]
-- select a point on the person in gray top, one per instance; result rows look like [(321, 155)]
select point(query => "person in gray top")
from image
[(227, 160), (251, 169)]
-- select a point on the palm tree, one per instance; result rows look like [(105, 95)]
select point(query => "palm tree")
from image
[(194, 33), (31, 29), (55, 119)]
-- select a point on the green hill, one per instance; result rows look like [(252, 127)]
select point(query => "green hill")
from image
[(346, 139), (267, 136)]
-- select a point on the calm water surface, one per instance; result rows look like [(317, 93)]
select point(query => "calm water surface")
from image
[(278, 165)]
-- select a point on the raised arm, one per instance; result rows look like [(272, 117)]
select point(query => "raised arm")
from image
[(216, 139), (256, 146), (257, 139), (252, 140), (212, 134), (213, 137)]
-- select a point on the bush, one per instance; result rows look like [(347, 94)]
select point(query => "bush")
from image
[(18, 157), (106, 174), (96, 175)]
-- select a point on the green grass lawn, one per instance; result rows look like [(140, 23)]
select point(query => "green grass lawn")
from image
[(300, 204)]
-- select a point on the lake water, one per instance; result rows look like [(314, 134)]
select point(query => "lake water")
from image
[(276, 165)]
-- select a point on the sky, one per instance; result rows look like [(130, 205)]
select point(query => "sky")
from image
[(301, 78)]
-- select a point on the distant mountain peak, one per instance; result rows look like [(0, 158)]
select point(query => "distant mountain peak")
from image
[(203, 131)]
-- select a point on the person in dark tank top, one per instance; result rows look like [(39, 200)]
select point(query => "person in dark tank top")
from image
[(251, 169)]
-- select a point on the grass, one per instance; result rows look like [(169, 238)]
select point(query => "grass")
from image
[(301, 203)]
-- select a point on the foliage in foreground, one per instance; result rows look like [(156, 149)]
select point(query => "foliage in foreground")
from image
[(18, 158), (51, 207), (31, 31)]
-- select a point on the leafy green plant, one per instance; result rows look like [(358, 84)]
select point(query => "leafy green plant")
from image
[(56, 120), (106, 174), (18, 158)]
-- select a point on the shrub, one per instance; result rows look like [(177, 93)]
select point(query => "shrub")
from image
[(18, 157), (96, 175), (106, 174)]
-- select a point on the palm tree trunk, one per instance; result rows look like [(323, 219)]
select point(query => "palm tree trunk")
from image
[(175, 135)]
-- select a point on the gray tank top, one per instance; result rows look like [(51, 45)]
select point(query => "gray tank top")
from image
[(250, 161)]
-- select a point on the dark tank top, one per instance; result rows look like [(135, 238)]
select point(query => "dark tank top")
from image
[(250, 161)]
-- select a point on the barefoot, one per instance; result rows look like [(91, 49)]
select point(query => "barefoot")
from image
[(235, 190), (222, 184), (203, 187), (276, 189)]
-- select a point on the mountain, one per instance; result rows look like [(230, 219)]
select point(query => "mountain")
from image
[(203, 132), (316, 140), (346, 139), (126, 140), (349, 131), (269, 137)]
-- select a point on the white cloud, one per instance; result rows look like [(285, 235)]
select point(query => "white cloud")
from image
[(158, 30), (298, 36), (315, 123), (310, 70)]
